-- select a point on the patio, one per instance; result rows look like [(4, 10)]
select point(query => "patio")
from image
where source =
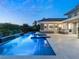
[(65, 46)]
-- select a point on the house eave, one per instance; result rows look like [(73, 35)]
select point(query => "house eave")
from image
[(72, 19)]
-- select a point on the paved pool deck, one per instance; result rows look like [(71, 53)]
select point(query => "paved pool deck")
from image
[(65, 46)]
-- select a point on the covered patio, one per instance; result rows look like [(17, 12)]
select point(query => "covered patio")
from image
[(71, 25)]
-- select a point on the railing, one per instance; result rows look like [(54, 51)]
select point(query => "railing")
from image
[(9, 38)]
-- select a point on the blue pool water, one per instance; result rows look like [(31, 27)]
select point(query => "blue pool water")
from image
[(25, 45)]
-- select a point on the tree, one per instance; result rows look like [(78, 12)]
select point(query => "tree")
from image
[(35, 23), (9, 29), (36, 26), (25, 28)]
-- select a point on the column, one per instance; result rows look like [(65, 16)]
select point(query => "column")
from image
[(74, 28), (67, 27), (47, 27), (78, 28)]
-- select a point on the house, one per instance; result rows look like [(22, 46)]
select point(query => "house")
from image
[(66, 25), (51, 24)]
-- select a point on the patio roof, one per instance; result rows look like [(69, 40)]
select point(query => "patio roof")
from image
[(52, 19), (73, 19)]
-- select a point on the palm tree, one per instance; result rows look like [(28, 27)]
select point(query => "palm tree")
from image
[(34, 23)]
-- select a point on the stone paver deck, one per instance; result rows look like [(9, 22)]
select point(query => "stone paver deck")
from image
[(65, 46)]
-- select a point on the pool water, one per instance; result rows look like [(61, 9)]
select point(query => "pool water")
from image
[(25, 45)]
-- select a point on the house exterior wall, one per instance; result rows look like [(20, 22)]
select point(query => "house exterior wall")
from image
[(51, 26), (71, 28)]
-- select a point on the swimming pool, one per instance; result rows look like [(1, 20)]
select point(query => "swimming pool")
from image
[(26, 45)]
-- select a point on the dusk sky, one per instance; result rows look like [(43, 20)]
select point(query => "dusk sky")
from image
[(26, 11)]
